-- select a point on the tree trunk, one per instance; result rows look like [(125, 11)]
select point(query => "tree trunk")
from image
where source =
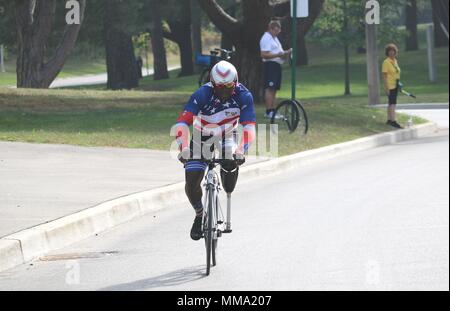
[(226, 42), (186, 56), (440, 19), (196, 27), (411, 26), (196, 30), (180, 33), (157, 40), (34, 21), (302, 52), (120, 59)]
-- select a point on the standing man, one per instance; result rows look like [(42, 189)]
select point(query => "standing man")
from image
[(273, 56)]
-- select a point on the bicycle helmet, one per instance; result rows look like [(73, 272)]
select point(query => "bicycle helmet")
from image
[(224, 74)]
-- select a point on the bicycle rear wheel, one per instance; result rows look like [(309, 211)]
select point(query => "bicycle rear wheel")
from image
[(286, 117)]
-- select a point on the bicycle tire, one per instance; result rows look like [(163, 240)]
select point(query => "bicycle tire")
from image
[(204, 77), (215, 239), (286, 116), (303, 118), (209, 230)]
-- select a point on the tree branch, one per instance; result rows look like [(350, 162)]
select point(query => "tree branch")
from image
[(226, 23), (55, 64)]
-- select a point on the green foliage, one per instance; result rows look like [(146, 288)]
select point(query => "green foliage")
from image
[(329, 27)]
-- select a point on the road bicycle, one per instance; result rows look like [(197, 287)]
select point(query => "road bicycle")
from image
[(214, 224), (209, 61)]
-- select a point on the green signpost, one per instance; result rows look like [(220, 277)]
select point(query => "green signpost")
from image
[(294, 49)]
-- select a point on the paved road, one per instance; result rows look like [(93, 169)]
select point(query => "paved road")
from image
[(374, 220)]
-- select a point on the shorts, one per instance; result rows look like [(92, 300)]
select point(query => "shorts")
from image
[(272, 75), (206, 148), (393, 94)]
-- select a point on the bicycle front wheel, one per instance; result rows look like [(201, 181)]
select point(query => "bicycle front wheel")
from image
[(209, 230)]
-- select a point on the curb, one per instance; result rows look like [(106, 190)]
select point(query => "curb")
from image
[(29, 244), (417, 106)]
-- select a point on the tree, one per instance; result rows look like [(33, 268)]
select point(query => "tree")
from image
[(179, 31), (157, 40), (412, 43), (196, 27), (440, 20), (120, 59), (35, 20), (246, 34)]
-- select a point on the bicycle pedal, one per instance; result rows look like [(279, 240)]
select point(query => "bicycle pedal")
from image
[(220, 222), (227, 231)]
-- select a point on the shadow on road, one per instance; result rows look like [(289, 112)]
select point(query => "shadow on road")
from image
[(174, 278)]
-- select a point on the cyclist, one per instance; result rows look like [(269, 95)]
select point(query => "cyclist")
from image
[(215, 110)]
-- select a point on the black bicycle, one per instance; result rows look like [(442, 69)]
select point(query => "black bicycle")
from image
[(289, 116), (214, 223), (209, 61)]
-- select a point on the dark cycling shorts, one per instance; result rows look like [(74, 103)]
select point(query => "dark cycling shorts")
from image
[(272, 75), (206, 147)]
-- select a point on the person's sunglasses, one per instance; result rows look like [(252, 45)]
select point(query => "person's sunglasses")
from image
[(230, 85)]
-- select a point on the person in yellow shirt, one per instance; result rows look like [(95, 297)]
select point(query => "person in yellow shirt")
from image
[(391, 76)]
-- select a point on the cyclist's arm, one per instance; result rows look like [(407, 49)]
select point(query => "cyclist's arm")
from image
[(248, 121), (185, 120), (248, 137)]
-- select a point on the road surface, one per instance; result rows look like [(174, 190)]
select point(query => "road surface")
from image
[(373, 220)]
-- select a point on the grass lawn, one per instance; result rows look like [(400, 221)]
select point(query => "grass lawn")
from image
[(137, 119), (142, 118), (73, 68)]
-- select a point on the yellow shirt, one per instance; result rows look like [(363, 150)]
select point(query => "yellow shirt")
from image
[(393, 72)]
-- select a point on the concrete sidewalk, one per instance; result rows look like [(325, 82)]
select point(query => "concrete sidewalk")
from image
[(42, 182)]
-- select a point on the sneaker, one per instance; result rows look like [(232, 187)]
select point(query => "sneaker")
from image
[(268, 115), (396, 125), (196, 230)]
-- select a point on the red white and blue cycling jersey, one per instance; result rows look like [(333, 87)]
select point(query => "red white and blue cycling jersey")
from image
[(207, 113)]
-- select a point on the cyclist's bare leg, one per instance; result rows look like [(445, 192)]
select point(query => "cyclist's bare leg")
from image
[(193, 190)]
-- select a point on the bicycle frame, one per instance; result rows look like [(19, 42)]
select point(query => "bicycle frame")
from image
[(212, 183)]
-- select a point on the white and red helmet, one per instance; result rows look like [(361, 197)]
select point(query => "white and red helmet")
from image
[(224, 74)]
